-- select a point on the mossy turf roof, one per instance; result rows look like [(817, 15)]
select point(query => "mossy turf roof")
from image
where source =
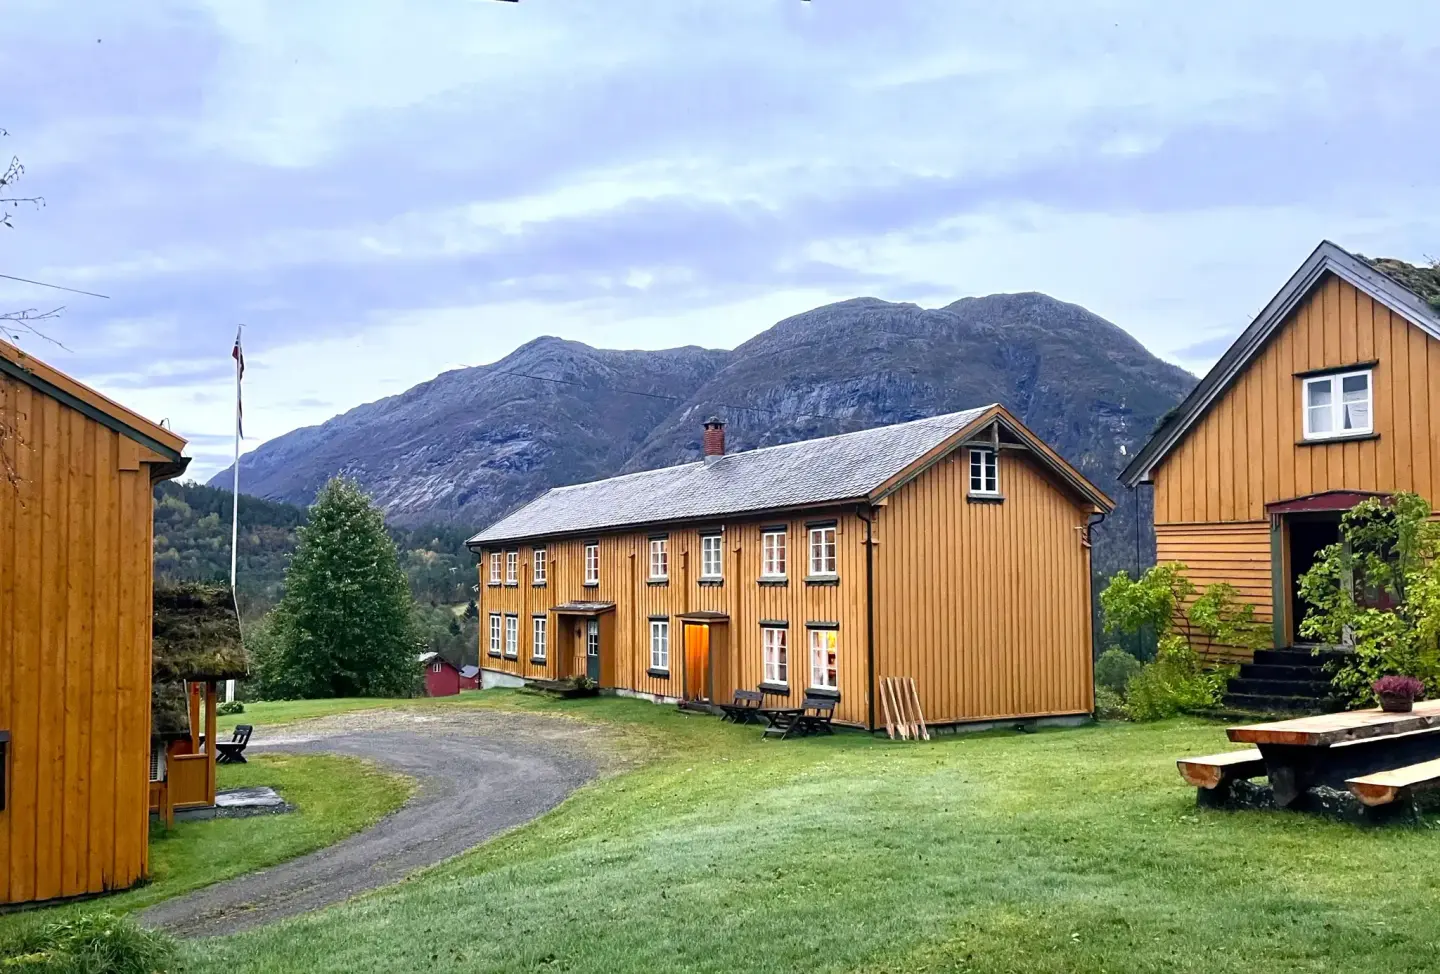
[(1424, 281), (196, 635)]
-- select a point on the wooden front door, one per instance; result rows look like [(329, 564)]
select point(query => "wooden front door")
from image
[(592, 649), (697, 662)]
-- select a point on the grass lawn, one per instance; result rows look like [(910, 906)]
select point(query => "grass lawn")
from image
[(335, 796), (1064, 851)]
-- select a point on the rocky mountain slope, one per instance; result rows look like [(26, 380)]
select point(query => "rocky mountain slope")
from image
[(469, 445)]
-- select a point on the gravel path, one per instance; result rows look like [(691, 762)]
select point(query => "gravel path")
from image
[(479, 774)]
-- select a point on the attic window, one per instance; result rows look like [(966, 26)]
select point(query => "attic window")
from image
[(1338, 405), (984, 473)]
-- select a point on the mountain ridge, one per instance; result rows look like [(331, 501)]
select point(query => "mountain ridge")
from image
[(472, 444)]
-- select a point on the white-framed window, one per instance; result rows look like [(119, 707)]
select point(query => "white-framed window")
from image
[(1339, 405), (538, 566), (435, 667), (512, 567), (711, 557), (660, 644), (495, 634), (538, 634), (775, 653), (512, 636), (592, 564), (494, 568), (824, 669), (822, 550), (659, 559), (772, 554), (984, 472)]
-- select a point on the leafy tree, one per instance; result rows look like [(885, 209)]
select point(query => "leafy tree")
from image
[(346, 624), (1378, 589), (1165, 601)]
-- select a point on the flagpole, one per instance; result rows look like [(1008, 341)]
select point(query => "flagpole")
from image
[(235, 501)]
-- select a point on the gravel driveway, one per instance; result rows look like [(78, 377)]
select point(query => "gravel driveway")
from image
[(479, 774)]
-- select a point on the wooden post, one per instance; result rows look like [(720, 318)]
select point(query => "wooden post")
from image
[(210, 749)]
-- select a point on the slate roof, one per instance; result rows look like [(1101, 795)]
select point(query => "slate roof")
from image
[(469, 671), (823, 470)]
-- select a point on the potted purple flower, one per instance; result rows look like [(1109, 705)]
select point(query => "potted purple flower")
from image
[(1397, 693)]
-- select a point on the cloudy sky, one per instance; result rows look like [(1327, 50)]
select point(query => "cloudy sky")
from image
[(381, 191)]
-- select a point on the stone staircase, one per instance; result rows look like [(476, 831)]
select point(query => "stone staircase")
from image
[(1283, 681)]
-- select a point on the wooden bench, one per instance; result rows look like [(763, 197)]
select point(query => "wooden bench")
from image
[(1384, 787), (744, 709), (817, 713), (233, 750), (1213, 774)]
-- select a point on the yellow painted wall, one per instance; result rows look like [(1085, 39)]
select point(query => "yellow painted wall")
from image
[(75, 584), (1211, 491), (986, 605)]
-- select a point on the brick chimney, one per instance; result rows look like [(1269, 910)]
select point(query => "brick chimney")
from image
[(714, 440)]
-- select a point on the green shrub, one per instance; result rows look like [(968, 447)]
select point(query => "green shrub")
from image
[(90, 943), (1378, 589), (230, 707), (1174, 682), (1109, 705), (1114, 669), (1165, 601)]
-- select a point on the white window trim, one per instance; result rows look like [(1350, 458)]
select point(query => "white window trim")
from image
[(512, 568), (784, 548), (982, 491), (660, 643), (1336, 380), (434, 667), (512, 637), (719, 547), (497, 634), (777, 680), (539, 564), (495, 576), (818, 666), (539, 637), (592, 564), (810, 551), (662, 547)]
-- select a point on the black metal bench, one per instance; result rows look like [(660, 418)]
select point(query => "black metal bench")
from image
[(744, 709), (233, 750)]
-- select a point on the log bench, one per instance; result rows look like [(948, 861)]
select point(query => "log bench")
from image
[(1213, 774), (1384, 787)]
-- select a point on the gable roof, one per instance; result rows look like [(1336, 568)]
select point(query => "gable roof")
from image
[(1328, 258), (26, 368), (859, 466)]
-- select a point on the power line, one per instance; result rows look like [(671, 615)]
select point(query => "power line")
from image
[(58, 287)]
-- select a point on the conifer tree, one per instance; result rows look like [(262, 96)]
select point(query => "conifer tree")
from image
[(345, 626)]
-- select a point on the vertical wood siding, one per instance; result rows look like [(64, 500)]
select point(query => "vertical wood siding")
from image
[(986, 605), (75, 584), (1243, 454), (1211, 491), (735, 644)]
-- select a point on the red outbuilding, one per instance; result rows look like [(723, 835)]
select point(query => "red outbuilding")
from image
[(441, 678)]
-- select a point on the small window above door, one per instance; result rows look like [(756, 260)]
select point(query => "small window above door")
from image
[(1339, 405)]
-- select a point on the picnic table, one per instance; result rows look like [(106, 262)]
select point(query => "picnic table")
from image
[(1373, 753), (811, 717), (1330, 749)]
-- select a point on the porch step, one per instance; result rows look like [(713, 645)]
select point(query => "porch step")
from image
[(1310, 689), (1274, 704), (1292, 657), (1274, 671)]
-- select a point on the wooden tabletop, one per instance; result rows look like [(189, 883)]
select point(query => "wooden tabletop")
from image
[(1327, 729)]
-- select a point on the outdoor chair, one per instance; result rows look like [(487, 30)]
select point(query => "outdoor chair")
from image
[(233, 750), (816, 715), (744, 709)]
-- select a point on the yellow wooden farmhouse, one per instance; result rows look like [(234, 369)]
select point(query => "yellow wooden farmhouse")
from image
[(953, 550), (1331, 395)]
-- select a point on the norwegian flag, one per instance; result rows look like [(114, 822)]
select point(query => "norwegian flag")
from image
[(238, 354)]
